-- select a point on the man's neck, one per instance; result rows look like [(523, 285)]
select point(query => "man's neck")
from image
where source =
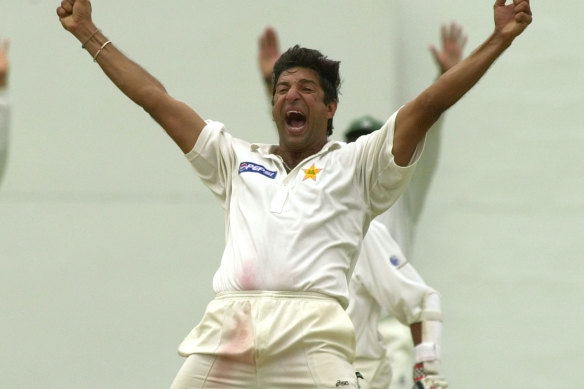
[(291, 159)]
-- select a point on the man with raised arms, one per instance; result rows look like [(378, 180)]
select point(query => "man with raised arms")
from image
[(292, 239)]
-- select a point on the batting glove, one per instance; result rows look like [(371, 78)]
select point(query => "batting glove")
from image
[(424, 380)]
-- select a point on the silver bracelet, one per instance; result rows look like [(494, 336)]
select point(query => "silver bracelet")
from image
[(99, 51)]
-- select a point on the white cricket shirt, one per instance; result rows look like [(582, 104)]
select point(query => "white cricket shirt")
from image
[(382, 278), (302, 230)]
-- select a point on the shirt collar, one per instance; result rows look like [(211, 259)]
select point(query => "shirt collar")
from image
[(268, 149)]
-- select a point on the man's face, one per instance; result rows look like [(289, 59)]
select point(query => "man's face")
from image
[(299, 110)]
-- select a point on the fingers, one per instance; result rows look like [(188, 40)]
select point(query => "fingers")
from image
[(263, 39), (453, 33), (61, 13), (269, 39), (462, 42), (456, 32), (453, 40), (522, 7), (4, 45), (67, 5), (435, 53), (65, 9), (522, 12), (444, 34), (75, 13), (523, 18)]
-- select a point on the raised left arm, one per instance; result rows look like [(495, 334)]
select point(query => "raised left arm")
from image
[(417, 116)]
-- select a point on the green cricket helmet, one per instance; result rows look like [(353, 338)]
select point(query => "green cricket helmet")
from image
[(362, 126)]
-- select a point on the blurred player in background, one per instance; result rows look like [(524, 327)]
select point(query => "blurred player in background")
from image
[(4, 107)]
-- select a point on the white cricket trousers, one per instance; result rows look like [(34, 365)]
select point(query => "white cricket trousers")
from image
[(399, 350), (376, 372), (269, 340)]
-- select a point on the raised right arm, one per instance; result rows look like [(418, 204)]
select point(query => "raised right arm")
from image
[(268, 54), (447, 56), (180, 121), (417, 116)]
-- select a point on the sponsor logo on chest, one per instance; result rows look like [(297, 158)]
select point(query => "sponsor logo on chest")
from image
[(245, 167)]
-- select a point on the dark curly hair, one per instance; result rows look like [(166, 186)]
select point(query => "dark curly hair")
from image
[(327, 70)]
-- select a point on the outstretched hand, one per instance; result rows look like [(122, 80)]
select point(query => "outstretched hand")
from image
[(512, 19), (269, 52), (453, 42), (4, 44), (74, 13)]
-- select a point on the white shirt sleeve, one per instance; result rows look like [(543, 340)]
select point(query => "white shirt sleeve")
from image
[(212, 158), (384, 181), (389, 278)]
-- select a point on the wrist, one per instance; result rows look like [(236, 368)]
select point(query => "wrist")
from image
[(427, 351), (428, 356), (84, 32), (501, 40)]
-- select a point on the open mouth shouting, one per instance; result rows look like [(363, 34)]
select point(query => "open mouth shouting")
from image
[(295, 121)]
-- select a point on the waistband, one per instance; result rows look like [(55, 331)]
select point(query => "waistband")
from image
[(259, 294)]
